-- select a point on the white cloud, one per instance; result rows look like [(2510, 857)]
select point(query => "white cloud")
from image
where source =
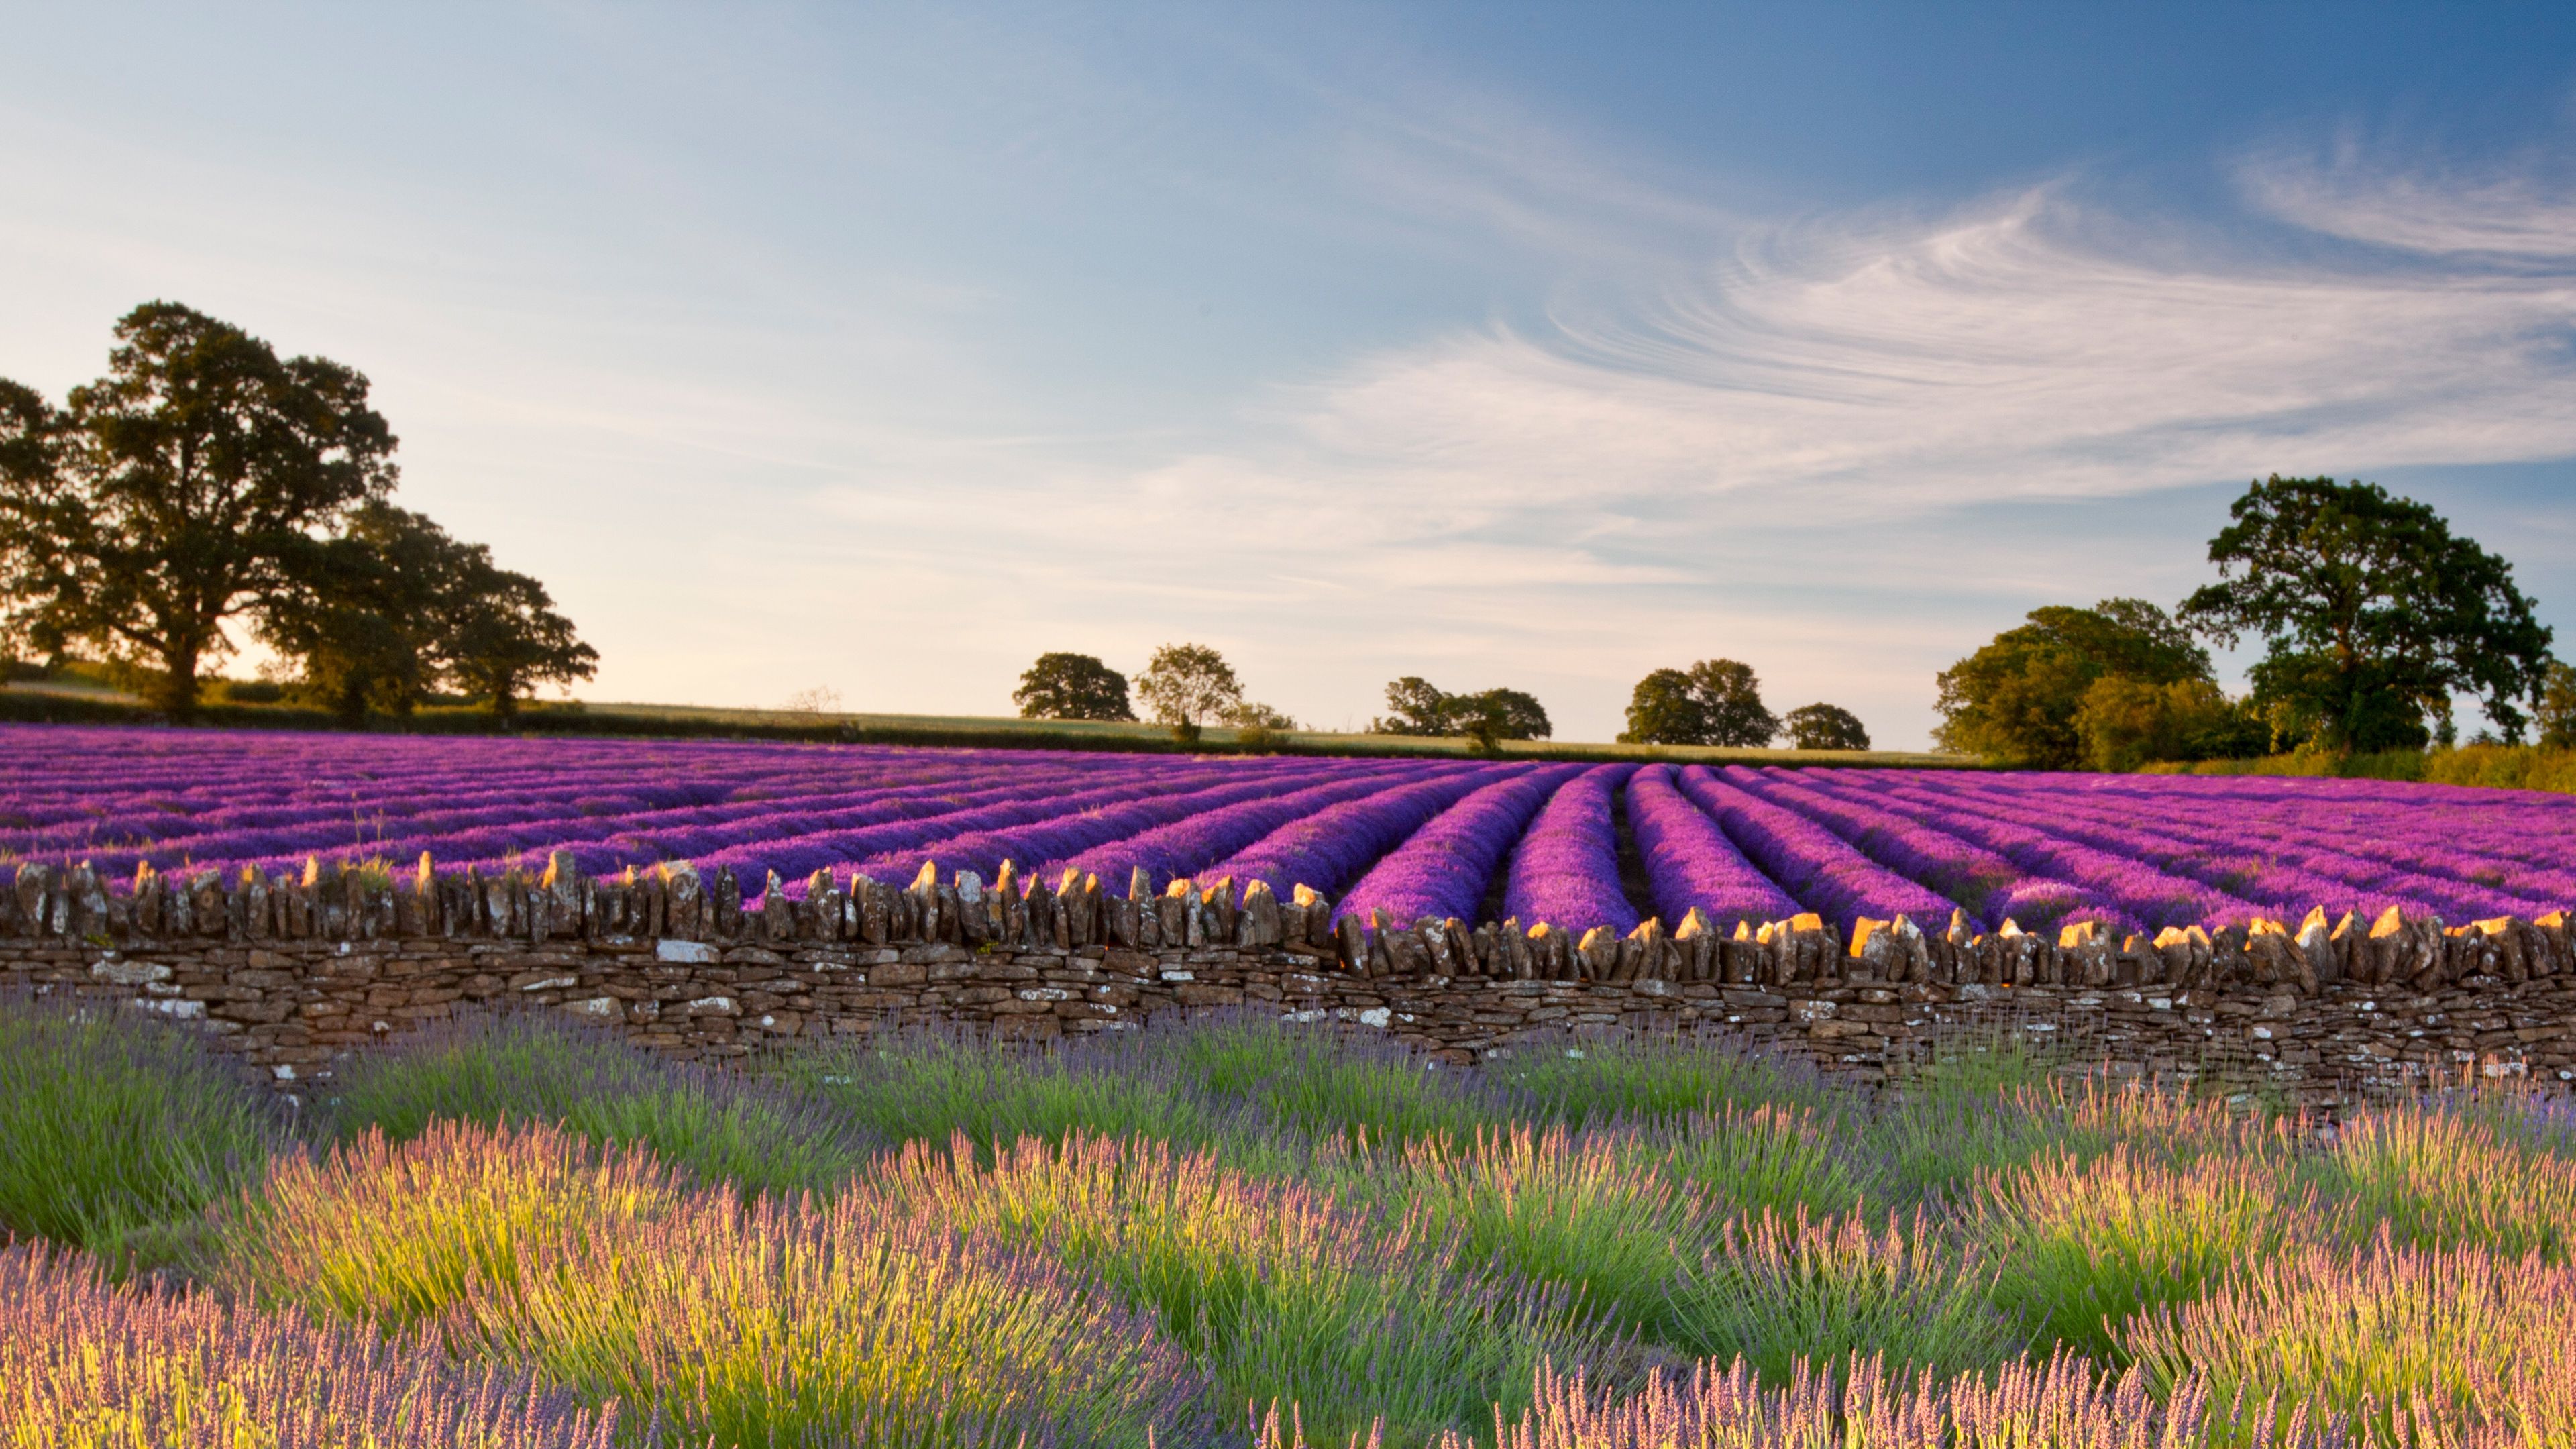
[(2025, 345), (2524, 215)]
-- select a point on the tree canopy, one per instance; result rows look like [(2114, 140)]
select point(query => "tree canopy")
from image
[(366, 613), (1417, 707), (205, 479), (1714, 702), (2017, 699), (1072, 686), (1825, 727), (2373, 614), (177, 491), (1187, 685), (504, 637)]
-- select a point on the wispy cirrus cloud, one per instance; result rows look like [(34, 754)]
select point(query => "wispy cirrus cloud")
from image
[(2524, 213), (2029, 343)]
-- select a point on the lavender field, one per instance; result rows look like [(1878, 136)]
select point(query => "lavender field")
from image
[(1572, 845), (511, 1234)]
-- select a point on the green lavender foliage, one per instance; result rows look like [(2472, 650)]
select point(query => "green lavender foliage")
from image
[(117, 1128)]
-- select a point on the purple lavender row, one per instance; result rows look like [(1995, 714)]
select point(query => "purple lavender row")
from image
[(2522, 828), (2450, 848), (1988, 887), (795, 856), (2139, 892), (1184, 847), (332, 827), (2275, 887), (1566, 869), (605, 842), (274, 791), (1330, 849), (2250, 860), (1065, 835), (1690, 862), (606, 845), (1444, 869), (1825, 874)]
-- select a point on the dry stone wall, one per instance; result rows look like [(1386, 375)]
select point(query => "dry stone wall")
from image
[(296, 972)]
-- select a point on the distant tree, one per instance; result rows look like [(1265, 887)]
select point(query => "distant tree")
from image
[(1501, 714), (1421, 708), (1414, 707), (1825, 727), (172, 494), (1249, 715), (1714, 702), (1732, 698), (1187, 685), (1072, 686), (2015, 700), (2557, 715), (1662, 710), (363, 615), (2374, 615), (2126, 722), (503, 636)]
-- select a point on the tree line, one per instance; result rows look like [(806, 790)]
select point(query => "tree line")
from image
[(205, 479), (1185, 686), (2373, 615)]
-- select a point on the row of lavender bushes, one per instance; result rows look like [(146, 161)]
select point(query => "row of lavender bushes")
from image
[(508, 1232)]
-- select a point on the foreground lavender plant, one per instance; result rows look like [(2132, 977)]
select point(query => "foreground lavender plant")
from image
[(87, 1365), (2405, 1345), (116, 1128), (2061, 1403), (771, 1322)]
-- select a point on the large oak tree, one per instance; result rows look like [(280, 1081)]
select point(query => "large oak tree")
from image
[(2019, 700), (2373, 612), (178, 491)]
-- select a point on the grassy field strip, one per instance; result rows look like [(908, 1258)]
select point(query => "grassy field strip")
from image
[(1231, 1231)]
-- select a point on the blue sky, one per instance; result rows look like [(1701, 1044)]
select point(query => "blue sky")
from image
[(882, 349)]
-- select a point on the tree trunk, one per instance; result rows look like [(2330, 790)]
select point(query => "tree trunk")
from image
[(176, 696)]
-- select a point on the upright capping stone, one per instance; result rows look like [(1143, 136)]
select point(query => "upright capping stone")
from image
[(1039, 906), (1598, 953), (1217, 911), (827, 908), (777, 922), (1010, 907), (1891, 951), (1295, 916), (87, 900), (2314, 941), (1173, 913), (724, 896), (1351, 945), (1551, 953), (974, 908), (921, 903), (873, 906), (1696, 940), (2549, 957), (1485, 950), (685, 901), (1259, 923), (1642, 953)]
